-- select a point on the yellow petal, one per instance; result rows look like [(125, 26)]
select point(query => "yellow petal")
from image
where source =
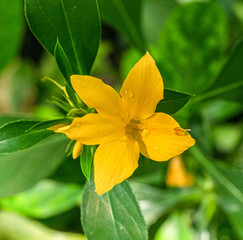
[(94, 128), (96, 94), (77, 149), (142, 89), (177, 175), (162, 138), (114, 162)]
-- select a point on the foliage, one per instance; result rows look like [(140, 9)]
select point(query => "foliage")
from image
[(198, 48)]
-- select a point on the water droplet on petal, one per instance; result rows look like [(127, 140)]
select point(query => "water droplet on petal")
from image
[(145, 132), (123, 138), (106, 133), (157, 148), (129, 94)]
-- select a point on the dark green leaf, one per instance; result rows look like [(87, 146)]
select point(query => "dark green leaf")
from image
[(124, 16), (173, 101), (11, 31), (190, 51), (46, 199), (114, 215), (62, 62), (86, 160), (14, 136), (21, 170), (74, 23), (229, 84)]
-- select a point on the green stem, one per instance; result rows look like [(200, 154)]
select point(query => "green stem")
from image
[(218, 91), (215, 173)]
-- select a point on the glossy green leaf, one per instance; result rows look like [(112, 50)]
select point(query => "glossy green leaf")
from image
[(190, 50), (62, 62), (14, 136), (11, 31), (173, 101), (125, 17), (46, 199), (114, 215), (21, 170), (74, 23), (229, 84), (86, 160)]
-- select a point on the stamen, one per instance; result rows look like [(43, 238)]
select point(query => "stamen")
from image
[(181, 132)]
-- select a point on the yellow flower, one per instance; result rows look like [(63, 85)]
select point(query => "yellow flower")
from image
[(126, 125), (177, 176)]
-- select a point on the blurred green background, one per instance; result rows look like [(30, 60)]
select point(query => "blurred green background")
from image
[(191, 41)]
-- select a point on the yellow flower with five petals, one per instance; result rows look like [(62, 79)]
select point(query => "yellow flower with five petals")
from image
[(126, 125)]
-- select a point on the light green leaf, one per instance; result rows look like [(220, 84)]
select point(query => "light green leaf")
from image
[(176, 227), (46, 199), (125, 17), (14, 136), (173, 101), (21, 170), (11, 31), (156, 203), (190, 51), (229, 84), (74, 23), (86, 160), (114, 215)]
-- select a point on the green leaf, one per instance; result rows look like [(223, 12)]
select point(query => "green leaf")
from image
[(125, 17), (190, 51), (231, 206), (176, 227), (173, 101), (49, 123), (156, 203), (21, 170), (46, 199), (14, 136), (75, 24), (155, 15), (62, 62), (86, 160), (114, 215), (224, 183), (229, 84), (11, 31)]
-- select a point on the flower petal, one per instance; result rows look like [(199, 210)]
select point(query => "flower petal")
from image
[(77, 149), (97, 94), (94, 128), (143, 89), (114, 162), (162, 138)]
